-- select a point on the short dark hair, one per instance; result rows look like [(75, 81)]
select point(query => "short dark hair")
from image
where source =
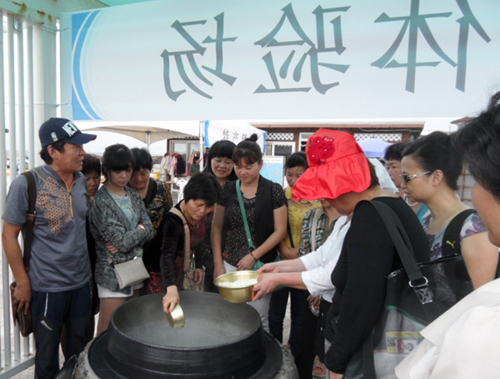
[(248, 150), (395, 151), (203, 186), (91, 164), (44, 153), (117, 157), (479, 143), (436, 152), (142, 159), (297, 159), (220, 149)]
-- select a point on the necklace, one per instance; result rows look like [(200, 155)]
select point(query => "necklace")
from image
[(407, 200), (412, 204), (251, 192)]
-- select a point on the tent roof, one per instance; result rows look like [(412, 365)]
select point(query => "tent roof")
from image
[(141, 132)]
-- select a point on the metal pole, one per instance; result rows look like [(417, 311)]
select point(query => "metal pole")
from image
[(3, 187), (29, 109), (44, 77), (20, 93), (12, 98), (202, 143), (12, 156)]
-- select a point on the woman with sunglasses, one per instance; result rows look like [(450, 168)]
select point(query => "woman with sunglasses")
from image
[(464, 342), (431, 168)]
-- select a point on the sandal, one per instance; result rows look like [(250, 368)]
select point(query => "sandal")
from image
[(319, 370)]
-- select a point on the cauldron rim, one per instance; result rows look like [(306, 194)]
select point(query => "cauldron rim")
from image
[(221, 360), (97, 354), (119, 330)]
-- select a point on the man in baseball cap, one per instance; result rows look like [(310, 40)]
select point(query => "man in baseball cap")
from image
[(61, 129), (57, 288)]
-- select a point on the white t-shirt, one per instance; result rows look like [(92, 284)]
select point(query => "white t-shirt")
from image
[(320, 263)]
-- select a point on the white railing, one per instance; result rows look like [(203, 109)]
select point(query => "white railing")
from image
[(27, 97)]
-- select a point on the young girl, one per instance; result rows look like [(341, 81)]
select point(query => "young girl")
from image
[(120, 225)]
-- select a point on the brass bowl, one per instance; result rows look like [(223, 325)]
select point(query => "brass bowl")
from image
[(240, 294), (176, 317)]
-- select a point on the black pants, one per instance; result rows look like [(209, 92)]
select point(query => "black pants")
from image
[(302, 329), (277, 311), (51, 310)]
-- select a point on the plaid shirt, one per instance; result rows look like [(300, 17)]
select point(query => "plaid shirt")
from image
[(322, 231)]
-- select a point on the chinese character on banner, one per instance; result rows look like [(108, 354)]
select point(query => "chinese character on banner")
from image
[(236, 136), (415, 23), (315, 48), (225, 134), (189, 57)]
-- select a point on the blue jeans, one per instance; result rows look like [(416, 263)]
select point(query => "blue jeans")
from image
[(50, 311)]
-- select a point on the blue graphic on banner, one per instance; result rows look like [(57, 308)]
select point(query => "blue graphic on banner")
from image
[(82, 109), (272, 169)]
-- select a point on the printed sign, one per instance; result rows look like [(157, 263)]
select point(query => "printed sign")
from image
[(302, 59)]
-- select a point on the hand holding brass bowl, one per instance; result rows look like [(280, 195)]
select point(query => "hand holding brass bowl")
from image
[(176, 317), (237, 287)]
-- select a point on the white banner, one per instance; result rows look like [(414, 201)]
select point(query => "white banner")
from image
[(301, 59)]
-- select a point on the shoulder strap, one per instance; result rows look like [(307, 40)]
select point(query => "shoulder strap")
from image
[(30, 222), (418, 282), (187, 244), (289, 229), (244, 215), (451, 237)]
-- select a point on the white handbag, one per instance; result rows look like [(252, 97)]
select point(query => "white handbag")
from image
[(130, 272)]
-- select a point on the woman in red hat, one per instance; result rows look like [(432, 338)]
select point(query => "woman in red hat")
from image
[(339, 171)]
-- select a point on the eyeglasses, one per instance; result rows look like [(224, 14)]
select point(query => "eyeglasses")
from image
[(405, 178)]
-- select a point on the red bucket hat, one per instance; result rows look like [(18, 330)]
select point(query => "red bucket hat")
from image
[(337, 165)]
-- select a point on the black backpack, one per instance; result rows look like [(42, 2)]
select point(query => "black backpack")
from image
[(451, 238)]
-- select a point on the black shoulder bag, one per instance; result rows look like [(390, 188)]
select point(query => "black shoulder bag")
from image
[(25, 321), (410, 304)]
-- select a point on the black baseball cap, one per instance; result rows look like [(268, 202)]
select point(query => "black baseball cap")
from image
[(61, 129)]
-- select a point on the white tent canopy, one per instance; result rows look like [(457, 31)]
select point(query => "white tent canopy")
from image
[(149, 132), (146, 134)]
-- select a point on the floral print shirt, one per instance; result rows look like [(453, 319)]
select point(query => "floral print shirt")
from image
[(472, 225)]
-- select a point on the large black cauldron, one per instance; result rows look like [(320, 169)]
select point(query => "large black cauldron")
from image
[(220, 340)]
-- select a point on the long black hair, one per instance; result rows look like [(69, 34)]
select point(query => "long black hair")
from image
[(436, 152)]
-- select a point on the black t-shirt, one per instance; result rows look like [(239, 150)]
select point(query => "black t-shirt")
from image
[(368, 256)]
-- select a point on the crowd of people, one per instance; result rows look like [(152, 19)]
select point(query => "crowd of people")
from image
[(320, 243)]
